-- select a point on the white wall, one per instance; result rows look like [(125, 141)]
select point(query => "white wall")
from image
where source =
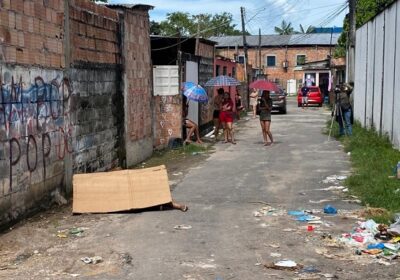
[(377, 74)]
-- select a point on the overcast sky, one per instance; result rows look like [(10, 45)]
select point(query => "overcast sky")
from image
[(264, 14)]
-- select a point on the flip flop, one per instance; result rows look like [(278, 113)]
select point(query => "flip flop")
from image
[(184, 208)]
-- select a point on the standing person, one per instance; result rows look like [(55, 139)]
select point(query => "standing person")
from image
[(226, 118), (253, 101), (217, 111), (344, 112), (192, 126), (265, 117), (304, 93), (239, 105)]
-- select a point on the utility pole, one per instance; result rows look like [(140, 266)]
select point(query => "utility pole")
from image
[(259, 52), (351, 41), (246, 78), (196, 52)]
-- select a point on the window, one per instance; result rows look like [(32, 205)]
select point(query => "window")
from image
[(300, 59), (233, 72), (241, 59), (224, 70), (217, 70), (271, 60)]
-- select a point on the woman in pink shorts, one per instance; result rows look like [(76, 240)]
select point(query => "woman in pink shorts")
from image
[(226, 118)]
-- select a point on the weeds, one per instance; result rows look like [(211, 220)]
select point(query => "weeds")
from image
[(373, 160)]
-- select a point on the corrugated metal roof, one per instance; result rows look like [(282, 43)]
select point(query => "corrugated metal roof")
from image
[(129, 6), (278, 40)]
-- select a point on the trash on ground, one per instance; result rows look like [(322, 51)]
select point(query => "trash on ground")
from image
[(283, 264), (180, 227), (329, 209), (92, 260), (296, 213), (288, 230), (332, 188), (334, 179), (319, 201), (266, 211), (309, 269), (275, 255), (62, 235), (307, 218)]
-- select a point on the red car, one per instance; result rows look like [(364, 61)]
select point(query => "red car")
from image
[(314, 96)]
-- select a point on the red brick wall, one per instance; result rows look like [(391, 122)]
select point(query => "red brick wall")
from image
[(31, 32), (167, 119), (313, 53), (94, 33), (138, 73)]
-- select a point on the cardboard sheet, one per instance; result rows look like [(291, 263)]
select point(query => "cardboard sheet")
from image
[(120, 190)]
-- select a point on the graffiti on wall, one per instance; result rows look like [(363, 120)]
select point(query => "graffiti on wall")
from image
[(34, 124), (170, 117)]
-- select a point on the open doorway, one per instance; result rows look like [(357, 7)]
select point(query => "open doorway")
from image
[(324, 85)]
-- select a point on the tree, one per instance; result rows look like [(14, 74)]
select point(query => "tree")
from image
[(365, 11), (310, 29), (285, 28), (177, 23), (186, 24), (155, 28)]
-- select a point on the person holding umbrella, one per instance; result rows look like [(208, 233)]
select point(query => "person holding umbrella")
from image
[(196, 93), (192, 126), (226, 118), (265, 117), (217, 110)]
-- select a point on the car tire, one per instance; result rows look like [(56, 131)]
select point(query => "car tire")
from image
[(298, 104), (320, 105), (283, 111)]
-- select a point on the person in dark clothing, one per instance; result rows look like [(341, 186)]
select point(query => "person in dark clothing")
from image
[(265, 117), (304, 93), (343, 109)]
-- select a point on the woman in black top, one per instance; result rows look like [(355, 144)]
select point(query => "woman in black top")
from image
[(265, 117)]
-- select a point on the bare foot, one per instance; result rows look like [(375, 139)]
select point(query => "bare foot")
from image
[(199, 142)]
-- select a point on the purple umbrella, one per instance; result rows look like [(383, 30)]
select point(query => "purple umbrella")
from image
[(222, 81)]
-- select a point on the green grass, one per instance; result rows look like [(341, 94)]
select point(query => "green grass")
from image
[(167, 155), (373, 161)]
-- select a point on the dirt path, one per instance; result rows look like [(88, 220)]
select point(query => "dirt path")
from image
[(227, 238)]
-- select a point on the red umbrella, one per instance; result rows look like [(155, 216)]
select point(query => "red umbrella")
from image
[(264, 85)]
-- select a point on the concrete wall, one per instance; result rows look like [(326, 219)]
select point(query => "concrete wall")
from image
[(62, 97), (377, 86)]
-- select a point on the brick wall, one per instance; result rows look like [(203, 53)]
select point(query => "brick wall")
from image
[(137, 86), (313, 53), (95, 78), (34, 99), (94, 33), (61, 97), (31, 32), (167, 119)]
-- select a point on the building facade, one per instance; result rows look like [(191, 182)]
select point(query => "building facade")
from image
[(282, 58)]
